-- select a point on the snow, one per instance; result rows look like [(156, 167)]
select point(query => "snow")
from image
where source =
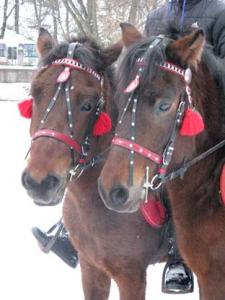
[(26, 272), (14, 91), (11, 38)]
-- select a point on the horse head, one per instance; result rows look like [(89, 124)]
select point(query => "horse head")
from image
[(165, 85), (70, 94)]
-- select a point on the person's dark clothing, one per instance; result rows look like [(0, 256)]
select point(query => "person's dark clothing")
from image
[(206, 14)]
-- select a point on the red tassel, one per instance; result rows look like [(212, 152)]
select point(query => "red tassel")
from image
[(192, 124), (102, 125), (25, 108)]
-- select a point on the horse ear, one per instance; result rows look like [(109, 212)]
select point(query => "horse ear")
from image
[(188, 48), (130, 34), (109, 55), (45, 42)]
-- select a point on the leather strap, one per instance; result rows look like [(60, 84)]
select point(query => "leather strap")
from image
[(75, 64), (58, 136), (131, 146)]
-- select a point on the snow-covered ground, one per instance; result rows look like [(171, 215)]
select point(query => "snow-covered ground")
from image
[(26, 272)]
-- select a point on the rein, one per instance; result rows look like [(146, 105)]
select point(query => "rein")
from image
[(180, 172)]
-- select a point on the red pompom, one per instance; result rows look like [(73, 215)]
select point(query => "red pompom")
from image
[(102, 125), (192, 124), (25, 108)]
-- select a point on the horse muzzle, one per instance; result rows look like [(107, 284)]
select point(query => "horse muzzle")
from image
[(120, 198), (48, 192)]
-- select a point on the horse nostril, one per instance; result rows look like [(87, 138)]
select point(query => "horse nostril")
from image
[(28, 182), (51, 182), (119, 195)]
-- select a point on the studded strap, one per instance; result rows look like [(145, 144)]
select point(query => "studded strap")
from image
[(75, 64), (58, 136), (131, 146)]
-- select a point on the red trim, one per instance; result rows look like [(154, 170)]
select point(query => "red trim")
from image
[(172, 68), (127, 144), (75, 64), (58, 136), (154, 212)]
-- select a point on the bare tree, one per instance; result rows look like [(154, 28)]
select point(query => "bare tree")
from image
[(84, 16), (6, 15), (17, 9), (96, 18), (133, 11)]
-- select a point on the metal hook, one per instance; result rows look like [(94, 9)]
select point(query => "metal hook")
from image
[(154, 185)]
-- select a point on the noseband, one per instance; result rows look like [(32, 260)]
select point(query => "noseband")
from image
[(64, 86)]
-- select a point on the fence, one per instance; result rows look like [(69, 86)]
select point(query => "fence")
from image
[(11, 74)]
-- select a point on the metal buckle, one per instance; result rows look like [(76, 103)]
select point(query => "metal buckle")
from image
[(168, 152), (153, 184)]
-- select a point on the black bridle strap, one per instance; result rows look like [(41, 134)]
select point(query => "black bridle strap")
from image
[(188, 164)]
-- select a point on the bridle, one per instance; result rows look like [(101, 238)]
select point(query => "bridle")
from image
[(64, 86), (161, 160)]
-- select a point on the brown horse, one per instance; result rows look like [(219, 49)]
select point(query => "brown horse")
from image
[(156, 144), (110, 245)]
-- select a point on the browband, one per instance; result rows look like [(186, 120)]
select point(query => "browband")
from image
[(75, 64)]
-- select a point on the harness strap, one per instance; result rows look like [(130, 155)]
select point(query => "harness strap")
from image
[(75, 64), (188, 164), (58, 136), (129, 145)]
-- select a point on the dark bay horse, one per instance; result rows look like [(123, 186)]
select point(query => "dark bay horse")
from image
[(168, 121), (110, 245)]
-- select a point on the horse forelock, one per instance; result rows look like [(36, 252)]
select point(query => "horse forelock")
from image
[(88, 53), (133, 60)]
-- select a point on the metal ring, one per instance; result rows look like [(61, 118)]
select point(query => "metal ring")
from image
[(153, 184)]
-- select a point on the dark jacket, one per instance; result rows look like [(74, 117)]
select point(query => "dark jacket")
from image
[(206, 14)]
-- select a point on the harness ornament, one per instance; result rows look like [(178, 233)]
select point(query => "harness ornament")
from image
[(25, 108), (133, 85), (64, 76), (103, 124)]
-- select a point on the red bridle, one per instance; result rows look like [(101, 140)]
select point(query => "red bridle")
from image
[(58, 136), (63, 84), (129, 144)]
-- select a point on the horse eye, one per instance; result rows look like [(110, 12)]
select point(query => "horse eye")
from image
[(164, 107), (86, 107)]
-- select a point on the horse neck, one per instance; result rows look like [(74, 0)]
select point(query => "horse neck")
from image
[(198, 191)]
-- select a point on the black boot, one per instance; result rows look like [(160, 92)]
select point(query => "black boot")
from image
[(177, 278), (58, 243)]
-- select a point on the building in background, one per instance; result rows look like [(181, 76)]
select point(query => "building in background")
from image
[(15, 49)]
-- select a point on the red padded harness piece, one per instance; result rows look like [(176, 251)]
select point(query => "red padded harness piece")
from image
[(222, 184), (154, 212), (129, 145), (58, 136)]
